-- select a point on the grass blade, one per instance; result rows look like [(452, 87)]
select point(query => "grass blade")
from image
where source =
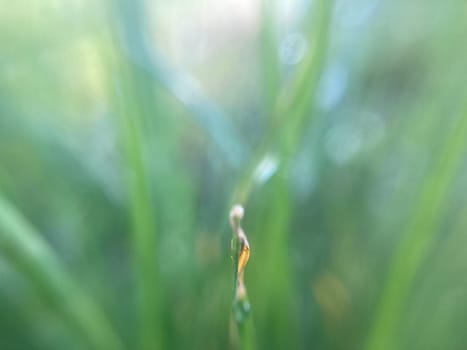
[(244, 332), (292, 105), (269, 54), (141, 213), (23, 246), (133, 106), (205, 112), (417, 239)]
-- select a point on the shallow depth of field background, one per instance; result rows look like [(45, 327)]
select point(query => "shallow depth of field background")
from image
[(129, 128)]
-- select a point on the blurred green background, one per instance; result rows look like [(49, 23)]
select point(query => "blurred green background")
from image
[(129, 128)]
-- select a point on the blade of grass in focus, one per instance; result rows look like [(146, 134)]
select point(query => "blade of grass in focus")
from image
[(291, 109), (27, 252), (243, 333), (417, 239)]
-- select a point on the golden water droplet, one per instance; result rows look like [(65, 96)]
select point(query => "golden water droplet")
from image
[(243, 257), (243, 254)]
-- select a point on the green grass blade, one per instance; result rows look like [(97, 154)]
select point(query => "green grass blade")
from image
[(269, 55), (207, 114), (417, 239), (141, 212), (133, 107), (23, 246), (243, 333), (291, 109), (293, 105)]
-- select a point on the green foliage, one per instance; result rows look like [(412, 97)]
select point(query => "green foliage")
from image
[(128, 129)]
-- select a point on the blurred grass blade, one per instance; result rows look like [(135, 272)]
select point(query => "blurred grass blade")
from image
[(204, 111), (141, 210), (132, 100), (295, 102), (277, 310), (417, 239), (293, 105), (269, 54), (185, 89), (23, 246)]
